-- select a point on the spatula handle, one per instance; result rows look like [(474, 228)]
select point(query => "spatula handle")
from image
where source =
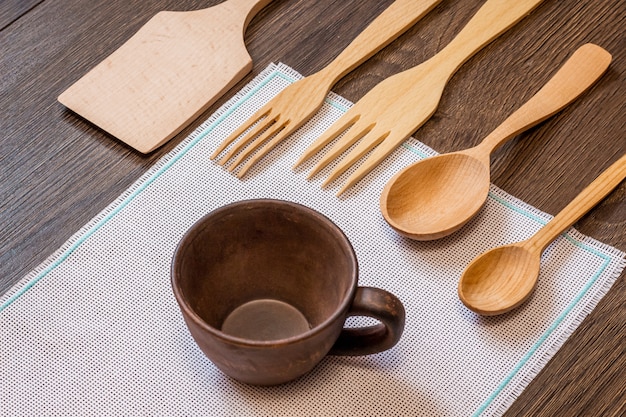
[(581, 204), (391, 23), (492, 19), (248, 9), (578, 73)]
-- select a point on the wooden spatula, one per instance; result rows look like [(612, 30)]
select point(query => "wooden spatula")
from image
[(167, 74)]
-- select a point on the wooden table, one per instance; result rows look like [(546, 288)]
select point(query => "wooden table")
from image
[(57, 171)]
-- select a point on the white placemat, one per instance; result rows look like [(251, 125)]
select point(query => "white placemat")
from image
[(95, 330)]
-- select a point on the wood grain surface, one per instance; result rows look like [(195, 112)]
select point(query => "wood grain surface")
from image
[(57, 170), (11, 10)]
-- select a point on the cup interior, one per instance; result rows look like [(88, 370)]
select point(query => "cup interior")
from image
[(259, 251)]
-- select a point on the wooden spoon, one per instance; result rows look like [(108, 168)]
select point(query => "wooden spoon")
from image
[(503, 278), (436, 196)]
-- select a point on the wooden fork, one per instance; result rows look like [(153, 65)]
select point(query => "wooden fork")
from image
[(293, 106), (398, 106)]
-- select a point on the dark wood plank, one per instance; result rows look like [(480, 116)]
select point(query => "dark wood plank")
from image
[(57, 171), (11, 10)]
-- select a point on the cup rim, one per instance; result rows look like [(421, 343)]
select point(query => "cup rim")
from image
[(190, 312)]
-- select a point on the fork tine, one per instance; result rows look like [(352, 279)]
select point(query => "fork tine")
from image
[(338, 127), (371, 140), (271, 131), (256, 117), (377, 156), (282, 135), (356, 132), (264, 125)]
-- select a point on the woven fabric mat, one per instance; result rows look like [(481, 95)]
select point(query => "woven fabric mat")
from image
[(95, 330)]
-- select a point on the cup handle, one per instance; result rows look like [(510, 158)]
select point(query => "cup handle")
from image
[(378, 304)]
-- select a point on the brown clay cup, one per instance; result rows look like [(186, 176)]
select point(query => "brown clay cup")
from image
[(265, 287)]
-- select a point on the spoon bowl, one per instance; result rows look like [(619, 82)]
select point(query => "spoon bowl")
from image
[(435, 197), (499, 280)]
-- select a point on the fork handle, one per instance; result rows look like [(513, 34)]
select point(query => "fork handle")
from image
[(492, 19), (391, 23)]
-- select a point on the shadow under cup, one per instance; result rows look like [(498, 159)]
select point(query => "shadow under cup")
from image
[(265, 287)]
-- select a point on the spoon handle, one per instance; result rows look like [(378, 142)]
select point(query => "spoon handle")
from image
[(578, 73), (580, 205)]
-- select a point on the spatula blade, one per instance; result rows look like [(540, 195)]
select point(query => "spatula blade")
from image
[(166, 75)]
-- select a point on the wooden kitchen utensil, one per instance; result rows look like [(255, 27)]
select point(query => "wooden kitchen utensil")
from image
[(296, 104), (394, 109), (501, 279), (167, 74), (434, 197)]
